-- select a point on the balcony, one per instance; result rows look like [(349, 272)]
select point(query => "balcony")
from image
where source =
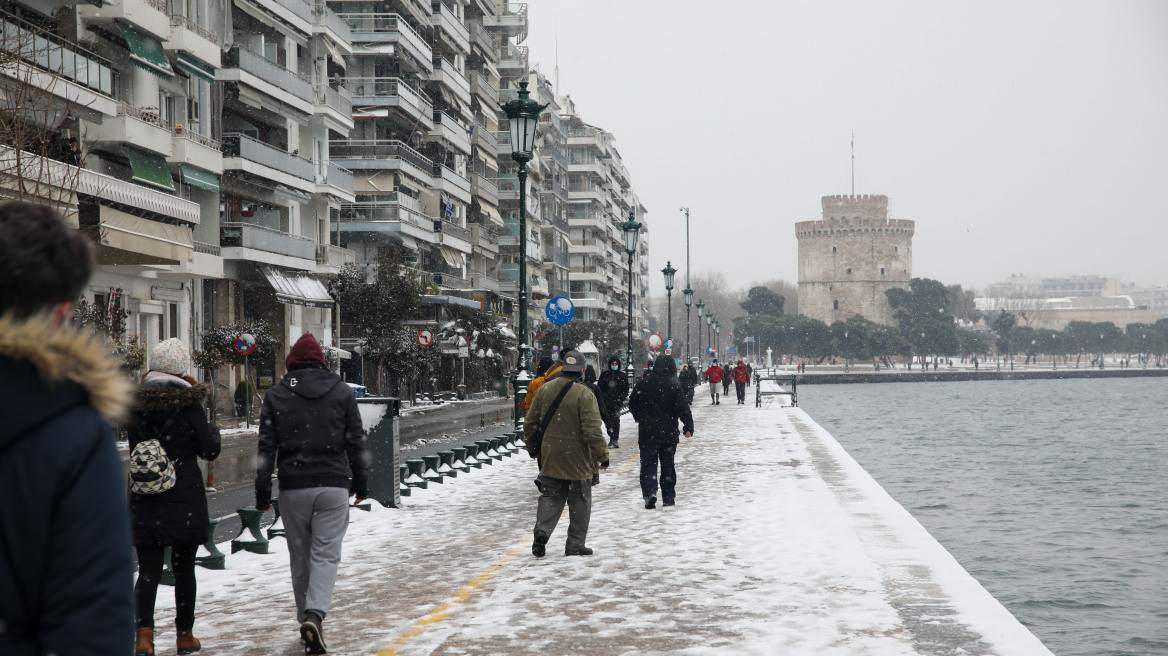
[(237, 239), (390, 28), (134, 126), (187, 35), (512, 21), (483, 40), (243, 153), (484, 238), (150, 16), (330, 259), (451, 26), (392, 92), (447, 74), (452, 131), (483, 280), (396, 214), (513, 58), (242, 65), (335, 105), (328, 23), (452, 183), (485, 187), (296, 13), (382, 154), (486, 91), (58, 66), (199, 150), (337, 181), (454, 235)]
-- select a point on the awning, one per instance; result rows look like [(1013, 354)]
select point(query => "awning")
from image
[(146, 52), (195, 67), (370, 112), (150, 170), (408, 241), (196, 177), (292, 194), (337, 57), (450, 256), (297, 287), (373, 49), (129, 239)]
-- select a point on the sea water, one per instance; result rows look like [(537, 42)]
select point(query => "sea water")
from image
[(1052, 493)]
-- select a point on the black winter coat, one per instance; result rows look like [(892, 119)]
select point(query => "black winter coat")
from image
[(688, 378), (179, 515), (311, 431), (66, 583), (658, 404), (614, 389)]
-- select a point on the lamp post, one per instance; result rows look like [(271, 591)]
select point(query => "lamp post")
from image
[(669, 271), (523, 117), (700, 351), (688, 292), (710, 329), (631, 230), (717, 336), (847, 350)]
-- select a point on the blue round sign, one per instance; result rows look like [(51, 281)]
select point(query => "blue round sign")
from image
[(559, 310)]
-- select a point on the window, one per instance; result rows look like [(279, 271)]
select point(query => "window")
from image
[(849, 272), (896, 249), (835, 305), (173, 319), (881, 270), (833, 249)]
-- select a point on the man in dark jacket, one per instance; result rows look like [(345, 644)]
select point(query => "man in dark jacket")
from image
[(66, 584), (614, 388), (689, 380), (657, 405), (311, 430)]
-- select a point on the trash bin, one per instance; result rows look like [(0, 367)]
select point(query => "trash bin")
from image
[(380, 416), (358, 390)]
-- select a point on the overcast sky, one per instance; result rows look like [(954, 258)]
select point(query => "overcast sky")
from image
[(1021, 136)]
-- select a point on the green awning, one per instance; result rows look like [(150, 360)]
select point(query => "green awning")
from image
[(150, 170), (196, 177), (195, 67), (146, 52)]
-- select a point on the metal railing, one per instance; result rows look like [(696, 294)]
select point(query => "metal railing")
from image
[(201, 139), (482, 233), (454, 230), (379, 149), (450, 175), (58, 56), (390, 210), (337, 99), (455, 24), (177, 20), (481, 36), (160, 5), (151, 118), (449, 69), (207, 249), (269, 71), (339, 177), (322, 15), (330, 255), (377, 23), (390, 87), (263, 238), (484, 184), (241, 145)]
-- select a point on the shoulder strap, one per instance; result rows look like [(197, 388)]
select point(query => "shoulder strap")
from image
[(551, 411)]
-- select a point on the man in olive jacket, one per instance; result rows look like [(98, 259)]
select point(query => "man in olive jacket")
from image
[(571, 450)]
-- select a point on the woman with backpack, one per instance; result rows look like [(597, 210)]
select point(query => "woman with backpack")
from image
[(168, 432)]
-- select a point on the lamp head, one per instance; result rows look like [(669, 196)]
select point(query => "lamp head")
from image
[(523, 116), (631, 230), (688, 297), (669, 272)]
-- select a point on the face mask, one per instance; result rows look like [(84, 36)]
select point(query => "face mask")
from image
[(615, 367)]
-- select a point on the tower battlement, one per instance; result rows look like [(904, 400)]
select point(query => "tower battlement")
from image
[(866, 205), (840, 225)]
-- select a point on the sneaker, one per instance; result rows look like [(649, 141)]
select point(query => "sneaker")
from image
[(582, 551), (614, 445), (719, 402), (650, 503), (539, 547), (667, 502), (311, 632)]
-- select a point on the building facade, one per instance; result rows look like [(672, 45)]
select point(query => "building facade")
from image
[(849, 258)]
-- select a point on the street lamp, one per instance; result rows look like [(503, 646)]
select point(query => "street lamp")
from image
[(700, 306), (632, 230), (669, 271), (717, 335), (847, 350), (688, 293), (710, 329), (523, 116)]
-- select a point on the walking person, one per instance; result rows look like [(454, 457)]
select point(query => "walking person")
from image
[(65, 541), (657, 404), (311, 431), (726, 377), (741, 376), (590, 382), (689, 380), (563, 429), (614, 387), (168, 433), (715, 375)]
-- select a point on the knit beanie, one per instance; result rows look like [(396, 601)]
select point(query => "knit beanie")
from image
[(169, 357), (306, 350)]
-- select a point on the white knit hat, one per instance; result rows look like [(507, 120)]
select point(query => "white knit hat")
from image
[(169, 357)]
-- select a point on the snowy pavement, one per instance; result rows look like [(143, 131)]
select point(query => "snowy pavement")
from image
[(779, 544)]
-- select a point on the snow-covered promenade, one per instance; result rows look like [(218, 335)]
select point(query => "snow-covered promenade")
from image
[(779, 544)]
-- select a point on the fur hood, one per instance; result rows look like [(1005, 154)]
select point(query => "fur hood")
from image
[(68, 355), (169, 399)]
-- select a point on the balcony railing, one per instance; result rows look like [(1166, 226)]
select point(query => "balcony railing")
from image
[(241, 145), (484, 85), (177, 20), (451, 281), (455, 230), (483, 184), (480, 36), (322, 15), (55, 55), (448, 174), (269, 71), (270, 240), (455, 24), (207, 249), (483, 234), (339, 177), (449, 69), (151, 118), (390, 210), (329, 255), (387, 25), (379, 149), (337, 99), (201, 139), (390, 87)]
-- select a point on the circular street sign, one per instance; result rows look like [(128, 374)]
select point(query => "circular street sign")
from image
[(668, 350), (425, 338), (463, 341), (655, 341), (710, 351), (668, 344), (559, 310), (245, 344), (555, 350)]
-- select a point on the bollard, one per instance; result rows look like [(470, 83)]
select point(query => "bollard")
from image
[(493, 451), (446, 467), (214, 558), (250, 518), (460, 459), (276, 530), (415, 478), (403, 472), (506, 446), (167, 577), (431, 473), (484, 457), (472, 452)]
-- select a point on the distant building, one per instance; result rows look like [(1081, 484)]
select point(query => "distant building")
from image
[(1020, 293), (851, 257), (1056, 313)]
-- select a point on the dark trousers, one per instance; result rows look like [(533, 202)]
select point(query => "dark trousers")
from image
[(741, 389), (725, 386), (182, 562), (612, 423), (651, 454), (578, 496)]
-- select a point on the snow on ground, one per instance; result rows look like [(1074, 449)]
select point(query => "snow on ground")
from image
[(779, 544)]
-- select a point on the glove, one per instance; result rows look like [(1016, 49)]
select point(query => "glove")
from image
[(604, 465)]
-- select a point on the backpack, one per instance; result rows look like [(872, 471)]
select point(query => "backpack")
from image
[(151, 471)]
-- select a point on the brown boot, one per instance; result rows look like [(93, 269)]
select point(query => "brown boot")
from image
[(145, 644), (187, 643)]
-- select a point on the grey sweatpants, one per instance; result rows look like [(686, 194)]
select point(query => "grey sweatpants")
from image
[(315, 520), (555, 493)]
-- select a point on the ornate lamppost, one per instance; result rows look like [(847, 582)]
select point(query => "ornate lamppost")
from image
[(669, 272), (700, 351), (710, 329), (631, 230), (523, 117), (687, 291)]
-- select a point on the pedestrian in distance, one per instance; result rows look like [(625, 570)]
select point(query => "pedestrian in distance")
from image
[(689, 380), (741, 376), (563, 429), (65, 540), (167, 434), (311, 431), (714, 375), (590, 383), (726, 377), (614, 388), (657, 404), (749, 374)]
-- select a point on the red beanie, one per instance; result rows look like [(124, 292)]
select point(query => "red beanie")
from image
[(306, 350)]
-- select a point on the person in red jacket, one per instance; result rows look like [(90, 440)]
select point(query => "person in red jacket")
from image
[(740, 376), (715, 375)]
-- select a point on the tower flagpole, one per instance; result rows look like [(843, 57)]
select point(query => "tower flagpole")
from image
[(853, 162)]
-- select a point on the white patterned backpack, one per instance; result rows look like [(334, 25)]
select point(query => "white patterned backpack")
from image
[(151, 471)]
